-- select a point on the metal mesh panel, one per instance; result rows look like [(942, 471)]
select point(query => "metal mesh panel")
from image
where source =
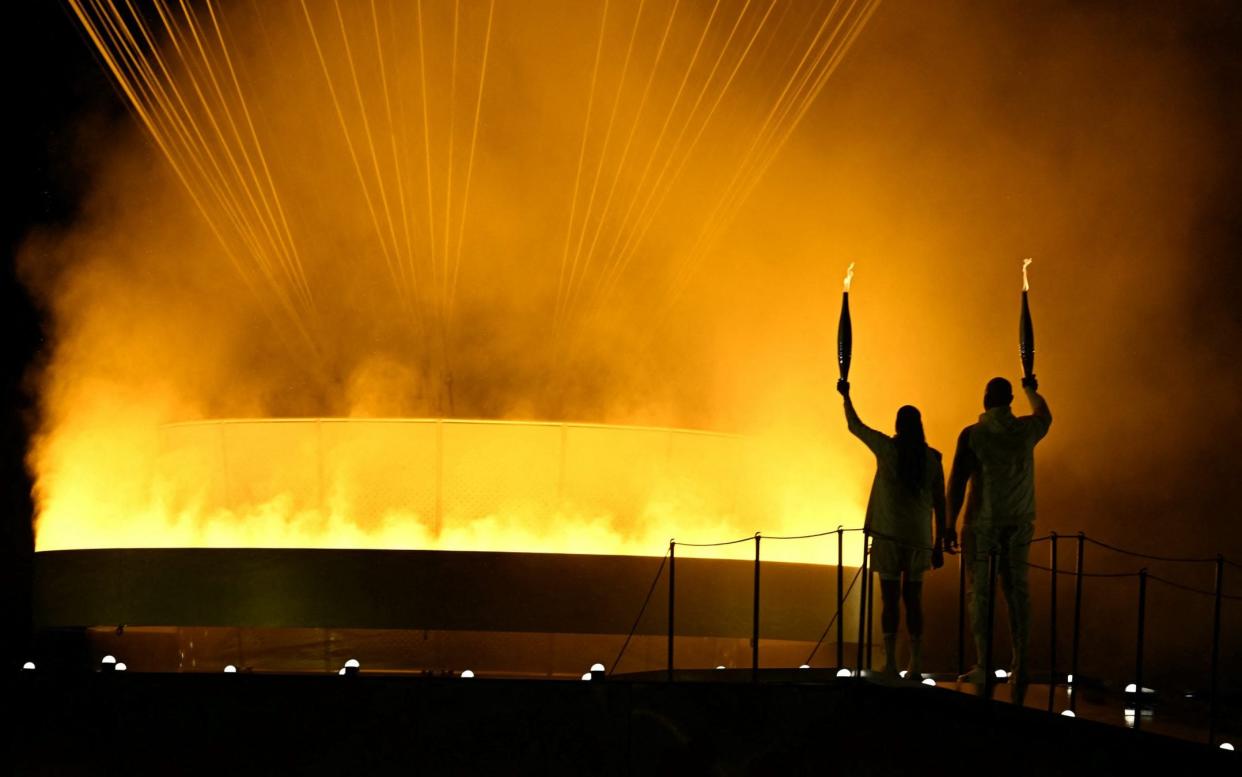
[(448, 484), (378, 471)]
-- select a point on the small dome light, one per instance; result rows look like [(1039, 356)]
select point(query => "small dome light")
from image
[(1226, 746), (902, 674), (352, 664), (29, 666), (805, 666), (1001, 674), (1131, 688), (468, 674), (720, 667), (597, 667), (108, 660), (121, 667), (1069, 678), (1068, 713), (929, 681), (586, 676), (230, 669), (844, 673), (341, 671)]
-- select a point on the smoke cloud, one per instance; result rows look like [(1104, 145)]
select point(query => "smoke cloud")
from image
[(952, 141)]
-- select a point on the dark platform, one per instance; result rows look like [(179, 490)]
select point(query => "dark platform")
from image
[(132, 724), (442, 590)]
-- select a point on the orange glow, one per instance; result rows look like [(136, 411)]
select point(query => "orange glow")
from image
[(440, 484), (437, 210), (624, 213)]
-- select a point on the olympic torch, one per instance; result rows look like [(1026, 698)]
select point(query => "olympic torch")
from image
[(845, 331), (1026, 330)]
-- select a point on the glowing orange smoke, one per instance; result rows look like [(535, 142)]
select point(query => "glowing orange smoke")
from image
[(446, 484), (371, 211)]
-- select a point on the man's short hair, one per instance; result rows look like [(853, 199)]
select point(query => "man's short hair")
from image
[(999, 393)]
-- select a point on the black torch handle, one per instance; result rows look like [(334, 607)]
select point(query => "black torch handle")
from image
[(845, 337), (1026, 339)]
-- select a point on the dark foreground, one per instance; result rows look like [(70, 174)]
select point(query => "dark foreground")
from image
[(168, 724)]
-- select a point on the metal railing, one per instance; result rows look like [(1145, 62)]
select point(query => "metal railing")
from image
[(866, 609)]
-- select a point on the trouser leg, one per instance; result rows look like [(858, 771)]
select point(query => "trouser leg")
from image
[(1014, 583), (976, 542)]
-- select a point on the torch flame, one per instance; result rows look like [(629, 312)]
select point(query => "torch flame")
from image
[(849, 276), (1026, 286)]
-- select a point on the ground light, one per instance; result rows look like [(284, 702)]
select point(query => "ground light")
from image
[(1001, 674), (121, 667), (929, 681), (586, 676), (805, 666), (230, 669), (1226, 746), (467, 674), (1068, 713), (29, 666), (844, 673), (351, 668)]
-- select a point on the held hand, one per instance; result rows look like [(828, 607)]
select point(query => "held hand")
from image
[(937, 559), (949, 541), (843, 388), (1031, 383)]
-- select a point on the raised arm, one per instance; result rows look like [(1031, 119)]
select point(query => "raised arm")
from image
[(870, 437), (1039, 407)]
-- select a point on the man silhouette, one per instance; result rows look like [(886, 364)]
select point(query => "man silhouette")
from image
[(996, 457)]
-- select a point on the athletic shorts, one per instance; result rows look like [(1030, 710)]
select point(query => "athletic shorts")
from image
[(891, 560)]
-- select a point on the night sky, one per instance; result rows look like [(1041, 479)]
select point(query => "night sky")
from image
[(61, 104)]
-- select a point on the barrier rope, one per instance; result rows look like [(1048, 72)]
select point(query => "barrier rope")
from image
[(833, 619), (716, 544), (642, 611), (1136, 554), (838, 530), (1192, 590)]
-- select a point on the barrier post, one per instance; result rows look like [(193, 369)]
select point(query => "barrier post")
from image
[(1138, 651), (672, 599), (961, 611), (1052, 625), (870, 615), (862, 606), (1212, 708), (989, 679), (840, 597), (754, 628), (1073, 697)]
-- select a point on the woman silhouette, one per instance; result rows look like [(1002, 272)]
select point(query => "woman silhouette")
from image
[(907, 492)]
